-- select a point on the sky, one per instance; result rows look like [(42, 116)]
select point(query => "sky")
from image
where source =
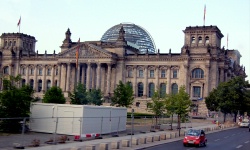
[(165, 20)]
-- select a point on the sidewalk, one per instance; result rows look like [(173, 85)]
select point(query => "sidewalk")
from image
[(138, 140)]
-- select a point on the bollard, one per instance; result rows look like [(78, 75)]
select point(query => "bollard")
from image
[(157, 138), (163, 136), (115, 145), (125, 143), (104, 146), (90, 147), (143, 140), (135, 141), (150, 139)]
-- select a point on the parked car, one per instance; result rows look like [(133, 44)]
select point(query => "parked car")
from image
[(195, 137), (244, 123)]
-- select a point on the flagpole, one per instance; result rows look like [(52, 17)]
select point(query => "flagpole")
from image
[(227, 41), (204, 17)]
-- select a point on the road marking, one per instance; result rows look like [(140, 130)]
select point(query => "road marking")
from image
[(247, 142), (190, 148), (216, 140), (239, 146), (226, 137)]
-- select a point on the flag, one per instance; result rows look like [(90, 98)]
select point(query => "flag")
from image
[(204, 17), (19, 22), (77, 52)]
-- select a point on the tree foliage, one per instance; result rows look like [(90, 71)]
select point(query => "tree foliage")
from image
[(123, 95), (230, 97), (95, 97), (54, 95), (14, 103), (79, 95)]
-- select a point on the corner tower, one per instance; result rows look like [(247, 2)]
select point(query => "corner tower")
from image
[(200, 38)]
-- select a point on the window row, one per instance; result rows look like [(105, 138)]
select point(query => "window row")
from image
[(31, 71), (193, 40), (151, 89), (151, 73), (13, 43), (196, 73), (39, 85)]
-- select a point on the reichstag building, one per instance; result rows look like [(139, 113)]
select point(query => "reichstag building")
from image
[(125, 52)]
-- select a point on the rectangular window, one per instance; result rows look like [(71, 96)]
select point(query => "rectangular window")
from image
[(151, 75), (48, 72), (56, 72), (163, 73), (197, 91), (130, 73), (23, 71), (140, 73), (40, 71), (31, 71), (174, 73)]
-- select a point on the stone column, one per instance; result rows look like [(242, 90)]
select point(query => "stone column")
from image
[(93, 75), (98, 81), (35, 78), (169, 80), (88, 76), (186, 78), (208, 79), (68, 77), (27, 74), (103, 80), (52, 76), (157, 87), (108, 78), (145, 86), (221, 74), (78, 73), (59, 75), (10, 66), (83, 75), (135, 80), (44, 75)]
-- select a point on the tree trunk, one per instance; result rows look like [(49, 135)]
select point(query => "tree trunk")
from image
[(172, 122), (179, 125), (224, 117)]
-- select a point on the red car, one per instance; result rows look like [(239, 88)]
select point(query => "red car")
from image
[(195, 137)]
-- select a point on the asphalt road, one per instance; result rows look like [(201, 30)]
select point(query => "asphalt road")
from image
[(233, 139)]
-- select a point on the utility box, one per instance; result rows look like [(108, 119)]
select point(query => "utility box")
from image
[(77, 119)]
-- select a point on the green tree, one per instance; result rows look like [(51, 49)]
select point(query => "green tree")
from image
[(54, 95), (123, 95), (79, 95), (170, 106), (14, 103), (156, 106), (230, 97), (182, 104), (95, 97)]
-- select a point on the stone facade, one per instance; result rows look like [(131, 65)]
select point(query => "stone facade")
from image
[(200, 66)]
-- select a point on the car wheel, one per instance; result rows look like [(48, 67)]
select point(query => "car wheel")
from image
[(185, 145)]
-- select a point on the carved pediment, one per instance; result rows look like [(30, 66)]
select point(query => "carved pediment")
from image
[(86, 50), (197, 82)]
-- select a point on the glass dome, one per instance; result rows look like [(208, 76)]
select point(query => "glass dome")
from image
[(134, 34)]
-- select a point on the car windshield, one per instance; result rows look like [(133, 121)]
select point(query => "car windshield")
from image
[(193, 132)]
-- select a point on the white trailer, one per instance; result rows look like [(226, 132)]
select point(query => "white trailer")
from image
[(77, 119)]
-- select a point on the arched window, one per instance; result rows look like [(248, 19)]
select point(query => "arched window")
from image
[(48, 84), (40, 82), (6, 70), (193, 39), (162, 90), (197, 73), (32, 83), (23, 82), (31, 71), (200, 39), (174, 88), (10, 43), (151, 90), (5, 43), (23, 71), (40, 71), (140, 89), (207, 39), (14, 43)]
